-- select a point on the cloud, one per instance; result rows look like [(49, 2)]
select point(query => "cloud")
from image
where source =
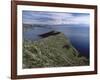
[(55, 18)]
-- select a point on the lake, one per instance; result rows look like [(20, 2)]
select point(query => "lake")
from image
[(77, 34)]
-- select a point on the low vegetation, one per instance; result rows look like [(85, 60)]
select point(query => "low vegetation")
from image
[(52, 51)]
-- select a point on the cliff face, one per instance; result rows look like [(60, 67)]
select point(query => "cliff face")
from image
[(51, 51)]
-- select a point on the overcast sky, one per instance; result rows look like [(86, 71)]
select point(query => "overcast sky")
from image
[(55, 18)]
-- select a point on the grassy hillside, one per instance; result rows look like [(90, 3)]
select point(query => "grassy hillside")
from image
[(52, 51)]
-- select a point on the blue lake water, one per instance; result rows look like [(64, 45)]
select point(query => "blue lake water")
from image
[(77, 34)]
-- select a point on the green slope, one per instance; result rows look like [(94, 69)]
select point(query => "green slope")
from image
[(52, 51)]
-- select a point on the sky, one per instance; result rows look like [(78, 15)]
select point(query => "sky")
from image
[(55, 18)]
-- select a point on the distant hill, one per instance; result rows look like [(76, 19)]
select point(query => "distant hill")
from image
[(51, 51)]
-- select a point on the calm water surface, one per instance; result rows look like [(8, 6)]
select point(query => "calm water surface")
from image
[(77, 34)]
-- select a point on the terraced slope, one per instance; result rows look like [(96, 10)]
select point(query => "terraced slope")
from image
[(52, 51)]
